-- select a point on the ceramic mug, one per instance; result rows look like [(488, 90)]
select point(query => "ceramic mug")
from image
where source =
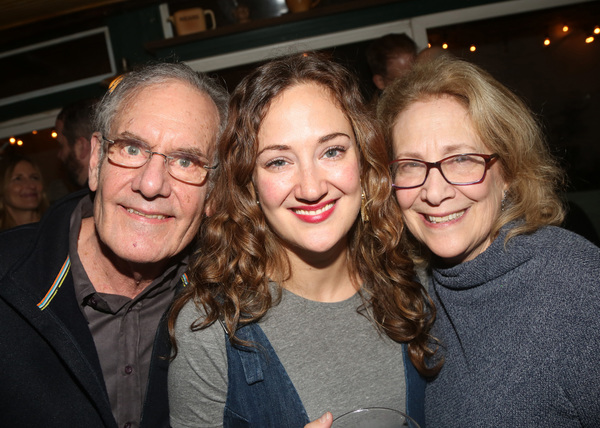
[(188, 21), (301, 5)]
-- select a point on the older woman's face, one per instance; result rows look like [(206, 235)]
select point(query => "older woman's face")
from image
[(454, 222), (24, 188)]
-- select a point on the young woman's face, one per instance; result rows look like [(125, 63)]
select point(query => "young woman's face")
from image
[(454, 222), (24, 188), (307, 174)]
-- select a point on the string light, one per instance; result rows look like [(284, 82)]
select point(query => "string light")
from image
[(12, 140), (113, 84), (34, 132), (54, 134), (19, 142), (547, 41)]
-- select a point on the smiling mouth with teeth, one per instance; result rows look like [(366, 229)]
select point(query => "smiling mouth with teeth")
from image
[(444, 219), (316, 212), (152, 216)]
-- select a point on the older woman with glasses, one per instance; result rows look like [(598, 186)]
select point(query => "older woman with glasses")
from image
[(517, 297)]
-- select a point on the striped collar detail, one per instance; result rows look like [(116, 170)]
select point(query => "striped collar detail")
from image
[(62, 274)]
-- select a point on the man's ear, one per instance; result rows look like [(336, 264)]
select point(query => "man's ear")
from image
[(379, 81), (96, 145), (82, 148)]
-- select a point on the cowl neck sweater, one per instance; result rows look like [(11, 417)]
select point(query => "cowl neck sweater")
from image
[(518, 327), (493, 263)]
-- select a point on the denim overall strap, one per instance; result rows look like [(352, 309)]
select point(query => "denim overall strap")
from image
[(259, 392), (415, 390)]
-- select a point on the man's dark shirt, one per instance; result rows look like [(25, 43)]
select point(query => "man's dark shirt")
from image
[(123, 329)]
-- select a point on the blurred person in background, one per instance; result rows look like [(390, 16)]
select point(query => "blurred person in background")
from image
[(22, 196), (74, 126), (390, 57)]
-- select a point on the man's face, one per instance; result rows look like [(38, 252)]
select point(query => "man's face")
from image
[(397, 66), (67, 155), (144, 215)]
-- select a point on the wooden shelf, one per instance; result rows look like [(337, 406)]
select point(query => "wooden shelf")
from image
[(290, 23)]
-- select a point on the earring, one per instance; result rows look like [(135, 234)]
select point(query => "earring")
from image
[(363, 208), (503, 203)]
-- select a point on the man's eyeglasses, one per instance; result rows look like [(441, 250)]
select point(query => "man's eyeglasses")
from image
[(460, 170), (184, 167)]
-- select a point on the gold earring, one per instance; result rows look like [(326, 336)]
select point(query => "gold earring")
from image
[(363, 208)]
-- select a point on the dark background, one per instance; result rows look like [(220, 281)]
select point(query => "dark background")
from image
[(560, 82)]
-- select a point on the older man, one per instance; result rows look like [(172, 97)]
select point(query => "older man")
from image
[(82, 335)]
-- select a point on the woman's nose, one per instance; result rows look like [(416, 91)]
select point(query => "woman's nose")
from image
[(311, 185), (436, 189)]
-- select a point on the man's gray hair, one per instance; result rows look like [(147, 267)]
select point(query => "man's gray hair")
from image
[(129, 85)]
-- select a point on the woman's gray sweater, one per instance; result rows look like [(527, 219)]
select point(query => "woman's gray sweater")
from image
[(520, 328)]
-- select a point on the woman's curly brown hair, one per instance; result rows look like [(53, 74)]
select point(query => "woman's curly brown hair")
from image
[(229, 274)]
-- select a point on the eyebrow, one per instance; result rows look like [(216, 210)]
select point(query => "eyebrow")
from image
[(322, 140), (187, 150), (278, 147), (333, 136), (448, 151)]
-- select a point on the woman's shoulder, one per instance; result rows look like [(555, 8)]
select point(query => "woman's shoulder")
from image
[(186, 332), (190, 312), (558, 247), (558, 239)]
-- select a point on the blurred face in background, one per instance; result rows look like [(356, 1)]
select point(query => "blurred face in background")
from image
[(24, 188), (68, 155), (397, 66)]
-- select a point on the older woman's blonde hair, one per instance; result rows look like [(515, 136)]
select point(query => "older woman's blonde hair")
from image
[(504, 124)]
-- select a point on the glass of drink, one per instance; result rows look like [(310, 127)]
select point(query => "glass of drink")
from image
[(374, 417)]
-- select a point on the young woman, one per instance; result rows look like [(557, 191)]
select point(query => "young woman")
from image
[(301, 298), (517, 297)]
